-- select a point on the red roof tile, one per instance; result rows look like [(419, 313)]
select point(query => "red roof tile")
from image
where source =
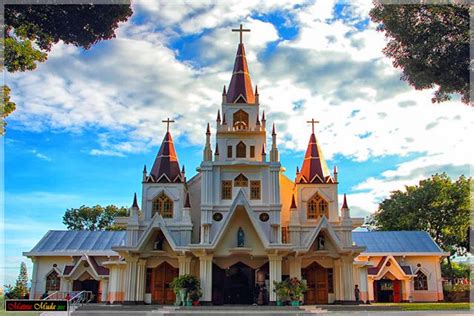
[(314, 169), (166, 165), (240, 87)]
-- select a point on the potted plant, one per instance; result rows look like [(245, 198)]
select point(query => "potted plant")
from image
[(281, 290), (194, 296), (296, 288), (182, 286)]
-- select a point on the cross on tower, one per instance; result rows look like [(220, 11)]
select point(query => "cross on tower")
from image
[(241, 30), (168, 121), (313, 121)]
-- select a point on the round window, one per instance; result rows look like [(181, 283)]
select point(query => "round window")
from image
[(264, 217), (217, 217)]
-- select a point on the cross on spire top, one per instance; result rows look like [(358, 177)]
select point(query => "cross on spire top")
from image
[(168, 121), (240, 30), (313, 121)]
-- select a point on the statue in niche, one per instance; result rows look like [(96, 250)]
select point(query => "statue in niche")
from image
[(321, 242), (158, 245), (240, 237)]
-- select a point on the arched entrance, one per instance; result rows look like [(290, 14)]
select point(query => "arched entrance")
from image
[(87, 283), (234, 285), (317, 281), (387, 290), (161, 277)]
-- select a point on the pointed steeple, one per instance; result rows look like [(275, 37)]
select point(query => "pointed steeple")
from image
[(135, 203), (216, 152), (240, 87), (166, 165), (218, 116), (344, 203), (293, 203), (314, 169)]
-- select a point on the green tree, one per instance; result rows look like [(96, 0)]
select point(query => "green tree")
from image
[(20, 290), (93, 218), (430, 43), (30, 31), (437, 205)]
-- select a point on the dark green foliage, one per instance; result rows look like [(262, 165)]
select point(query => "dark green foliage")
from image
[(457, 270), (20, 290), (93, 218), (430, 43), (436, 205), (7, 107), (31, 30)]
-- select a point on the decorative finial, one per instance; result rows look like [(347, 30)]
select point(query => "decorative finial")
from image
[(187, 204), (293, 203), (168, 121), (241, 30), (344, 204), (313, 121), (258, 120), (256, 89), (224, 92), (273, 129), (263, 116), (183, 170), (297, 170), (144, 168), (218, 116), (263, 150), (216, 152), (208, 131)]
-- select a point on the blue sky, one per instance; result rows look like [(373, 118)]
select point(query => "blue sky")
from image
[(87, 121)]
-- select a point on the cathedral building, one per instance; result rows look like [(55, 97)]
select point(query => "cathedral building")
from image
[(239, 224)]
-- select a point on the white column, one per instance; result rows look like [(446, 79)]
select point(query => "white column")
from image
[(295, 267), (184, 265), (363, 282), (131, 279), (33, 278), (205, 274), (275, 274), (347, 276), (406, 290), (104, 283), (141, 279), (338, 284)]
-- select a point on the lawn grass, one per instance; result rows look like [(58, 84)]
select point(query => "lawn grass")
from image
[(427, 306)]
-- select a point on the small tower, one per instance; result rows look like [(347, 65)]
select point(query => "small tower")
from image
[(187, 210), (274, 151), (144, 173), (133, 223), (207, 153)]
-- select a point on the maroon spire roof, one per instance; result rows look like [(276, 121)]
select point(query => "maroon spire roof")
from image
[(166, 165), (314, 169), (135, 203), (240, 87), (344, 204), (187, 204), (293, 203)]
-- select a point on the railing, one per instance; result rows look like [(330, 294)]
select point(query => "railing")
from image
[(75, 298)]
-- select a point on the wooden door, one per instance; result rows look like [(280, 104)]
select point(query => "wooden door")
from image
[(397, 291), (317, 282), (161, 278)]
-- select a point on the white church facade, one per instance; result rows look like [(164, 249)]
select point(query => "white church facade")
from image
[(239, 224)]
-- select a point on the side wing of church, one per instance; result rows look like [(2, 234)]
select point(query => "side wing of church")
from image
[(239, 225)]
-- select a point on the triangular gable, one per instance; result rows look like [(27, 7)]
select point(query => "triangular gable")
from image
[(241, 200), (323, 225), (156, 223), (79, 268), (394, 268), (240, 99)]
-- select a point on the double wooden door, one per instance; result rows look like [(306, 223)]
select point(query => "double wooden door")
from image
[(317, 281), (161, 291)]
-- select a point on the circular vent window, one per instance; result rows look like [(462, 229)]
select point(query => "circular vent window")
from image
[(217, 217), (264, 217)]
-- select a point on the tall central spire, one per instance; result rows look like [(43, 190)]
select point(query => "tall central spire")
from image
[(240, 87)]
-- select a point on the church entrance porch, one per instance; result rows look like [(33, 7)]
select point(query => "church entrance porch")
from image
[(234, 285), (317, 284), (386, 290), (160, 279), (87, 284)]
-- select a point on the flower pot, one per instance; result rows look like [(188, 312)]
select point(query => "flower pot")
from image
[(279, 303), (295, 303), (182, 296), (196, 303), (189, 303)]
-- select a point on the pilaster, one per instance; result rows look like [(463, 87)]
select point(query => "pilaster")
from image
[(131, 280), (295, 267), (275, 274), (184, 265), (141, 279), (205, 273), (33, 277)]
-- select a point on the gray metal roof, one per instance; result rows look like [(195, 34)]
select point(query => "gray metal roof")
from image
[(61, 241), (396, 241)]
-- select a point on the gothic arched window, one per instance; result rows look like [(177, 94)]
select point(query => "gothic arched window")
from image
[(162, 205), (241, 151), (52, 281), (421, 281), (317, 207), (241, 120)]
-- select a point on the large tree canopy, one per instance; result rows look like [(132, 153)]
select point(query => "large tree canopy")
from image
[(430, 43), (31, 30), (93, 218), (436, 205)]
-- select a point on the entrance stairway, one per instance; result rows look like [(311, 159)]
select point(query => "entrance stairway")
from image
[(157, 310)]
